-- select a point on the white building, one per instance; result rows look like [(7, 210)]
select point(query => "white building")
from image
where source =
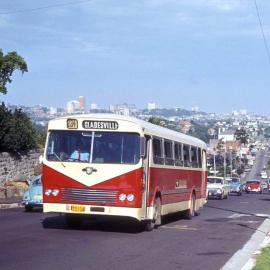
[(93, 106), (73, 106), (227, 135), (152, 106)]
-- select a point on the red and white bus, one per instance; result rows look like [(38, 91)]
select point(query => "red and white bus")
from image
[(122, 167)]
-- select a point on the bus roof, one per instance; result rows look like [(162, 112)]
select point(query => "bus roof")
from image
[(146, 127)]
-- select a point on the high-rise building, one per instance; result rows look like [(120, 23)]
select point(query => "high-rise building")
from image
[(93, 106), (151, 106), (82, 102), (73, 106)]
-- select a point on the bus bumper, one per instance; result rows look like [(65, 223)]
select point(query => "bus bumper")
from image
[(81, 209)]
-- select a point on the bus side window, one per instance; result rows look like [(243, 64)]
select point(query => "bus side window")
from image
[(186, 154), (194, 158), (178, 154), (200, 157), (157, 151), (168, 153)]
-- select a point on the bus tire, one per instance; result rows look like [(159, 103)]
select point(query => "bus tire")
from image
[(156, 221), (73, 221), (190, 213)]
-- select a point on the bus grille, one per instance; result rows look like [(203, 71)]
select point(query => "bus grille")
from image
[(89, 195)]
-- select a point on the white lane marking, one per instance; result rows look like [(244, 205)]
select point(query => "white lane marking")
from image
[(239, 215), (179, 227)]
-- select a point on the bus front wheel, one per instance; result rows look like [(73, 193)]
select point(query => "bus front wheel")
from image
[(156, 221)]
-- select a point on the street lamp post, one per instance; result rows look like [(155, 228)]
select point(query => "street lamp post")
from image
[(225, 164), (231, 159), (214, 153)]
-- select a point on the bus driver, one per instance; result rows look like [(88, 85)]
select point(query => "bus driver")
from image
[(80, 153)]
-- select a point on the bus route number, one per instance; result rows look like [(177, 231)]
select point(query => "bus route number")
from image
[(72, 124)]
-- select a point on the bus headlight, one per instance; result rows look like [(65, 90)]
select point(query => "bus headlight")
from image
[(55, 192), (48, 192), (130, 197), (122, 197)]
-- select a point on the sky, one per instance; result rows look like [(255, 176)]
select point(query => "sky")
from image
[(182, 53)]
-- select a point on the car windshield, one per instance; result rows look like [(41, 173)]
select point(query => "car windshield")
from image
[(93, 147), (235, 180), (253, 182), (214, 181)]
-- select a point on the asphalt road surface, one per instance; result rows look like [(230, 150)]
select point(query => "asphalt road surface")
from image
[(38, 241)]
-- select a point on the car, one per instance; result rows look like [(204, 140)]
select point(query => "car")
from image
[(268, 185), (253, 186), (263, 175), (33, 195), (264, 185), (235, 185), (217, 187)]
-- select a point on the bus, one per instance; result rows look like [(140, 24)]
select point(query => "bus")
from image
[(112, 165)]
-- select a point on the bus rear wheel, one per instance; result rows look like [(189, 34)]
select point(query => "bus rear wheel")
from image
[(190, 213), (156, 221)]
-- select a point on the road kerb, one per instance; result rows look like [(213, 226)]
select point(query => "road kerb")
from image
[(10, 205), (245, 258)]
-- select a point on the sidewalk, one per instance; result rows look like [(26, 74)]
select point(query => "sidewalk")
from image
[(10, 202)]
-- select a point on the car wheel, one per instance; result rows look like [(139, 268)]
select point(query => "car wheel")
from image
[(28, 208), (156, 221)]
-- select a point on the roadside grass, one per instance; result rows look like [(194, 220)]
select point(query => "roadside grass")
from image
[(263, 260)]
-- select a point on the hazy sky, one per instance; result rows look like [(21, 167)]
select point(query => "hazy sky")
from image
[(205, 53)]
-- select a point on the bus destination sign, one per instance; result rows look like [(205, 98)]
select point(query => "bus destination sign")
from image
[(111, 125)]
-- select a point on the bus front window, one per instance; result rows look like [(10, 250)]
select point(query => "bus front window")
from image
[(108, 147)]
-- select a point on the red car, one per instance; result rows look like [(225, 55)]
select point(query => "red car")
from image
[(253, 186)]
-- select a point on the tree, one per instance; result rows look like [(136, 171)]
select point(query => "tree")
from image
[(157, 121), (17, 132), (8, 64), (241, 135)]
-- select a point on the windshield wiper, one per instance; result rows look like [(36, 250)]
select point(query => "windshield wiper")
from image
[(59, 159)]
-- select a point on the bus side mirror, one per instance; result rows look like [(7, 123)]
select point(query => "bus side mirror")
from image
[(143, 147), (40, 159)]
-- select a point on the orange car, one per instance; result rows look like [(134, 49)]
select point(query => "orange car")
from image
[(253, 186)]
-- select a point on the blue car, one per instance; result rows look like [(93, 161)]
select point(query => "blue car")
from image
[(33, 196), (235, 186)]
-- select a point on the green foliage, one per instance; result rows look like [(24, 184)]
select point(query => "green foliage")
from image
[(157, 121), (263, 260), (8, 64), (199, 131), (17, 132), (241, 135)]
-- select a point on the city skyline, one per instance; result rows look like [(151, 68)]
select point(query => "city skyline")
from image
[(206, 54)]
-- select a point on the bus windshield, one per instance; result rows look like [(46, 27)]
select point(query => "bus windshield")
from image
[(93, 147)]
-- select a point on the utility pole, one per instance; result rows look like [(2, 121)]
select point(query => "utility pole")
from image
[(225, 164)]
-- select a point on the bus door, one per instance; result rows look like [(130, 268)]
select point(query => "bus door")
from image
[(204, 176), (146, 174)]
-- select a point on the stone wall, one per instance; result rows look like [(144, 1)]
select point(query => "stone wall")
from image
[(16, 169)]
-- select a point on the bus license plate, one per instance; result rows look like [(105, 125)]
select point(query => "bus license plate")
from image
[(77, 208)]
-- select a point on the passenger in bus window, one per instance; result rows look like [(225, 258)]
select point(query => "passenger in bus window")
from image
[(80, 153)]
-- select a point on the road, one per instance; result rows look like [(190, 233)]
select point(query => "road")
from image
[(261, 161), (38, 241)]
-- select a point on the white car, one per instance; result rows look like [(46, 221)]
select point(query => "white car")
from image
[(264, 175), (217, 187)]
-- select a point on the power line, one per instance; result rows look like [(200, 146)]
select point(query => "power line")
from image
[(45, 7), (262, 30)]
